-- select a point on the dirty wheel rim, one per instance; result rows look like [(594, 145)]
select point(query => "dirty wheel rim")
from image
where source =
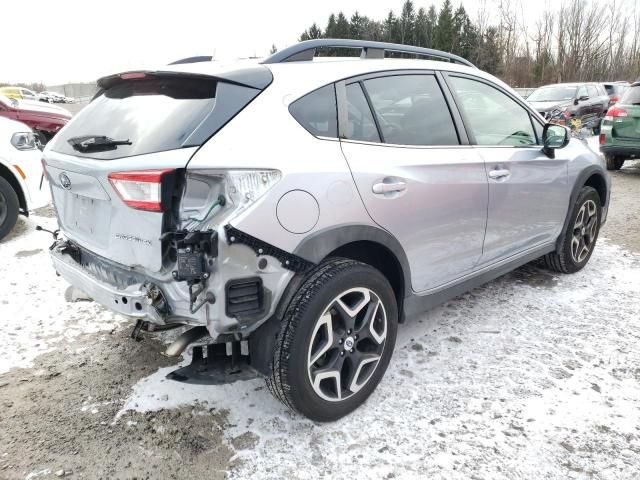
[(4, 208), (585, 229), (347, 343)]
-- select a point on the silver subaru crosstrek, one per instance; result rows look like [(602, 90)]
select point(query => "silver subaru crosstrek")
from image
[(293, 211)]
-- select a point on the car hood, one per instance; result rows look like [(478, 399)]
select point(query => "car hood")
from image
[(43, 108), (548, 106)]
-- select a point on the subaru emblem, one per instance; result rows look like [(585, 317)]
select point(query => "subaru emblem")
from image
[(65, 181)]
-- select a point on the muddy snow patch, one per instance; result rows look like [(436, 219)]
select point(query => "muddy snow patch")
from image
[(34, 315), (534, 375)]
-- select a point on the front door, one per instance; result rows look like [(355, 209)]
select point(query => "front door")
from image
[(414, 177), (528, 191)]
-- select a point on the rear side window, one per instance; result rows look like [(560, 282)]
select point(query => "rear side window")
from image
[(493, 117), (317, 112), (360, 122), (154, 114), (411, 110), (631, 96)]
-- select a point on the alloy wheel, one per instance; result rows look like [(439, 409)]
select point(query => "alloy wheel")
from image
[(585, 229), (347, 344)]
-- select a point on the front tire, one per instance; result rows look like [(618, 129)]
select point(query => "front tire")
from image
[(9, 207), (581, 233), (336, 340), (613, 162)]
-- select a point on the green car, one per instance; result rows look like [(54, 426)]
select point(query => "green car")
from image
[(620, 131)]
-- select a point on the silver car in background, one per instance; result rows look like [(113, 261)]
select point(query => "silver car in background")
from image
[(295, 210)]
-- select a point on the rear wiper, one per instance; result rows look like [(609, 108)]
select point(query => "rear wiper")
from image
[(96, 143)]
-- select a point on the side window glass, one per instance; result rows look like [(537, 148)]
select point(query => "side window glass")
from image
[(411, 110), (360, 122), (592, 92), (582, 92), (493, 117), (317, 112)]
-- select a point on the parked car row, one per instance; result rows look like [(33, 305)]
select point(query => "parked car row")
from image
[(21, 93)]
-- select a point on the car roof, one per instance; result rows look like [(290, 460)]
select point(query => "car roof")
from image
[(300, 77)]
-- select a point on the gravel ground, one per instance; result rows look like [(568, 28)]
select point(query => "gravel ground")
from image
[(531, 376)]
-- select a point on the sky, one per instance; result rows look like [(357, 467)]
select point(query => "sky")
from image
[(82, 40)]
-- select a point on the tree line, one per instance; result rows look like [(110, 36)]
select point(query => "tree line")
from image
[(582, 40)]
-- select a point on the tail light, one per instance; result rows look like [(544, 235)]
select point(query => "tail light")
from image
[(616, 112), (143, 189), (613, 99), (603, 138)]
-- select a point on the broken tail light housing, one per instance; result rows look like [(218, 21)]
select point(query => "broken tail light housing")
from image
[(144, 189)]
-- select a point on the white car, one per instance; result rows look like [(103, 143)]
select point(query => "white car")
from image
[(22, 187)]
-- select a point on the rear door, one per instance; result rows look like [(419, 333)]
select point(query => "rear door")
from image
[(157, 121), (417, 176), (528, 191)]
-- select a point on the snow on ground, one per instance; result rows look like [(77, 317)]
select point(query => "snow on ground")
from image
[(29, 286), (531, 376)]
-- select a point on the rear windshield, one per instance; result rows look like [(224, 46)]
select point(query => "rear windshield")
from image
[(631, 96), (140, 116)]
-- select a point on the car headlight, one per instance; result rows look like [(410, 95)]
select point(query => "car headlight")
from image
[(24, 141)]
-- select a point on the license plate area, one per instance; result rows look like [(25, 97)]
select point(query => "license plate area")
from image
[(86, 218)]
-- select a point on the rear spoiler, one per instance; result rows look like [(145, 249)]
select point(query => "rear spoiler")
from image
[(258, 77)]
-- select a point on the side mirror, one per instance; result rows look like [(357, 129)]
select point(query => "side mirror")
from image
[(553, 137)]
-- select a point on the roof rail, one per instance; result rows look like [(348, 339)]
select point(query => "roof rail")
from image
[(306, 50), (202, 58)]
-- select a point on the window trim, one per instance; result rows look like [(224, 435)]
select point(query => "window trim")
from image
[(342, 107), (533, 116)]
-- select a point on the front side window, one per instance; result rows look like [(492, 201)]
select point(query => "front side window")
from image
[(411, 110), (493, 117), (593, 91), (582, 92), (317, 112)]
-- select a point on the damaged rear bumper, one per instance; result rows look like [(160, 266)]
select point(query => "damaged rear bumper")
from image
[(135, 301)]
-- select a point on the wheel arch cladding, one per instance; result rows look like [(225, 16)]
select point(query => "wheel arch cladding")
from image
[(367, 244), (597, 181), (13, 181)]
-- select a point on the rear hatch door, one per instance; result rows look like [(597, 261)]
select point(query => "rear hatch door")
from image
[(151, 121), (627, 128)]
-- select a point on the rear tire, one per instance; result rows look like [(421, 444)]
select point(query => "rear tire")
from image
[(9, 207), (336, 340), (581, 233), (613, 162)]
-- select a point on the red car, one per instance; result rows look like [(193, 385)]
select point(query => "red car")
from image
[(42, 118)]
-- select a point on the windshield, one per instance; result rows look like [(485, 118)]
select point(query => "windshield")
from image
[(552, 94), (631, 96), (155, 114)]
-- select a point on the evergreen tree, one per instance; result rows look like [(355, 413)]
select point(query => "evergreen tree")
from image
[(391, 28), (489, 57), (444, 34), (342, 26), (330, 31), (315, 32), (420, 28), (407, 21), (357, 26), (432, 23)]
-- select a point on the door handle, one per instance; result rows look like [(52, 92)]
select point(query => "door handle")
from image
[(381, 188), (501, 173)]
